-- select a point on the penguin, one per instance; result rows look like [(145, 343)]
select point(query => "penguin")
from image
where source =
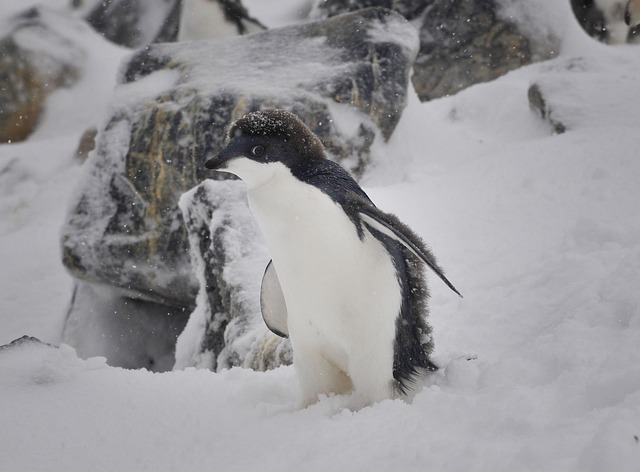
[(632, 13), (603, 19), (205, 19), (345, 283)]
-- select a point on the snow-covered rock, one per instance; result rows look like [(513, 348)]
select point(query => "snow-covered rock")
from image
[(462, 42), (129, 332), (563, 93), (540, 230), (38, 55), (229, 258)]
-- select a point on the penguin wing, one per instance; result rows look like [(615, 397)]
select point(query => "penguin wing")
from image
[(272, 302), (389, 225)]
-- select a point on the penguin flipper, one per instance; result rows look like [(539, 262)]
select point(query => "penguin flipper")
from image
[(392, 227), (272, 302)]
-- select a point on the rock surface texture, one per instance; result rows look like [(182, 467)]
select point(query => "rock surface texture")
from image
[(229, 258), (37, 57), (462, 42)]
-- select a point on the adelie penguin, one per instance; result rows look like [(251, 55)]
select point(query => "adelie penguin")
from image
[(345, 282)]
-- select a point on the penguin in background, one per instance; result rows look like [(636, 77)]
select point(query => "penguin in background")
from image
[(632, 13), (205, 19), (345, 282)]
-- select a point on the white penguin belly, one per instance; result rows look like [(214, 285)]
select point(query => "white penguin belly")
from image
[(342, 293)]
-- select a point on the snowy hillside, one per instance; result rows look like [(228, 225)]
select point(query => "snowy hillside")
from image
[(539, 231)]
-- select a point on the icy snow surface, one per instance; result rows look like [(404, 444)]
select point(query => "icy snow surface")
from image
[(540, 232)]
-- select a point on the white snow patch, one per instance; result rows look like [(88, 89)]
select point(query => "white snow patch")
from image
[(539, 231)]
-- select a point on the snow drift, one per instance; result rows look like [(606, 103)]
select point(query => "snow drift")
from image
[(540, 229)]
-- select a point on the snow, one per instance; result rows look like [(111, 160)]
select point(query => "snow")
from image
[(539, 231)]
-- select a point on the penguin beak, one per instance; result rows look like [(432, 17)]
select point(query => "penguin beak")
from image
[(219, 161), (215, 163)]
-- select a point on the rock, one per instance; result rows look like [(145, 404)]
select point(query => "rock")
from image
[(539, 104), (37, 57), (410, 9), (29, 363), (130, 333), (23, 341), (562, 94), (462, 42), (171, 110), (229, 258), (87, 143), (136, 23), (361, 59)]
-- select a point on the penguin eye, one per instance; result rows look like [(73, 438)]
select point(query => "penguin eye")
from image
[(257, 151)]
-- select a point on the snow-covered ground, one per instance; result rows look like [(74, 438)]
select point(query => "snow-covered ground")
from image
[(541, 233)]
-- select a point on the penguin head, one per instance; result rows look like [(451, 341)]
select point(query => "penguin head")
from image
[(263, 142)]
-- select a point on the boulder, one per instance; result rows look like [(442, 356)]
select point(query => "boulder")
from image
[(128, 332), (37, 57), (346, 77), (462, 42)]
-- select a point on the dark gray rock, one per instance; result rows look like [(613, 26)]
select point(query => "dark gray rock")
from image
[(345, 77), (539, 104), (23, 341), (462, 42), (130, 333), (37, 58), (136, 23), (229, 257), (86, 144)]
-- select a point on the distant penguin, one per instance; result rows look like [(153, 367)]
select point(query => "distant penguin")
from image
[(205, 19), (603, 19), (345, 282), (632, 13)]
